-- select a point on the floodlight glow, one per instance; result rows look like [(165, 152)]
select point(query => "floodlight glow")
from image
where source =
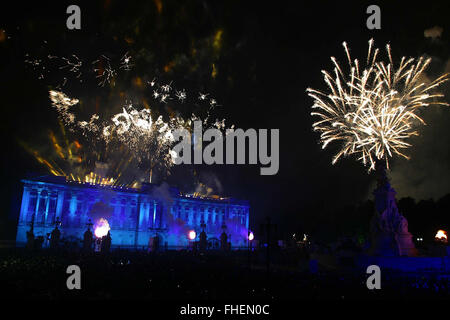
[(192, 235)]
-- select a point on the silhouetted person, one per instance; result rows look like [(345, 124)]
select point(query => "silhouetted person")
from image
[(38, 242), (203, 243), (98, 244), (224, 241), (54, 238), (30, 234), (30, 239), (155, 244), (88, 240), (106, 243)]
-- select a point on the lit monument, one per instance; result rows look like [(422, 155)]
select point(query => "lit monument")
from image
[(388, 227)]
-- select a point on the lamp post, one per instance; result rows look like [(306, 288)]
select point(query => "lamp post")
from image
[(191, 236), (249, 246)]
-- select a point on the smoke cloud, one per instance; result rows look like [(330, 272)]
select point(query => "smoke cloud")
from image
[(427, 174), (434, 33)]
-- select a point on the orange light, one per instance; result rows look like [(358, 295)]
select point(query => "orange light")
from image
[(441, 235)]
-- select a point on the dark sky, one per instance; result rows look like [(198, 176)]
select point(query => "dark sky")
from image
[(268, 57)]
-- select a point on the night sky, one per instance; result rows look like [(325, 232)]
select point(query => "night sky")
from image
[(266, 59)]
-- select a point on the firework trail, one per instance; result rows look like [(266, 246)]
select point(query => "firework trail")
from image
[(105, 71), (373, 111)]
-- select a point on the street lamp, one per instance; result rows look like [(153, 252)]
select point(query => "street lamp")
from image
[(250, 238), (191, 238)]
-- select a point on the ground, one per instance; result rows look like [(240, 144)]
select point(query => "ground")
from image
[(184, 276)]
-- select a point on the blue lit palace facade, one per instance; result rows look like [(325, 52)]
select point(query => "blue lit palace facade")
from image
[(134, 215)]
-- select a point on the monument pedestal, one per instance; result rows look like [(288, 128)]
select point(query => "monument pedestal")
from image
[(405, 244), (384, 244)]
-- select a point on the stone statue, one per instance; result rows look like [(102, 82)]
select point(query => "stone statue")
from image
[(403, 225), (404, 239), (203, 243), (388, 228)]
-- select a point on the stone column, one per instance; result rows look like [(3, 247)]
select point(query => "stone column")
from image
[(73, 205), (154, 215), (247, 218), (128, 214), (163, 213), (59, 205), (214, 216), (141, 214), (38, 199), (145, 218), (47, 203), (191, 215), (25, 203)]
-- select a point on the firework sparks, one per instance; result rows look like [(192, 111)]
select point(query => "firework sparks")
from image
[(213, 103), (105, 74), (164, 98), (125, 62), (373, 111), (202, 96), (166, 87), (62, 103), (149, 140), (181, 95), (37, 65), (146, 139), (152, 83), (73, 66)]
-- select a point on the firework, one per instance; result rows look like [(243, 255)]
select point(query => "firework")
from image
[(149, 140), (181, 95), (125, 62), (372, 111), (132, 143), (62, 103), (106, 71), (105, 74), (202, 96), (73, 65), (141, 138)]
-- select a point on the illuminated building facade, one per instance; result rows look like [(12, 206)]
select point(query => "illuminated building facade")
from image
[(134, 215)]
